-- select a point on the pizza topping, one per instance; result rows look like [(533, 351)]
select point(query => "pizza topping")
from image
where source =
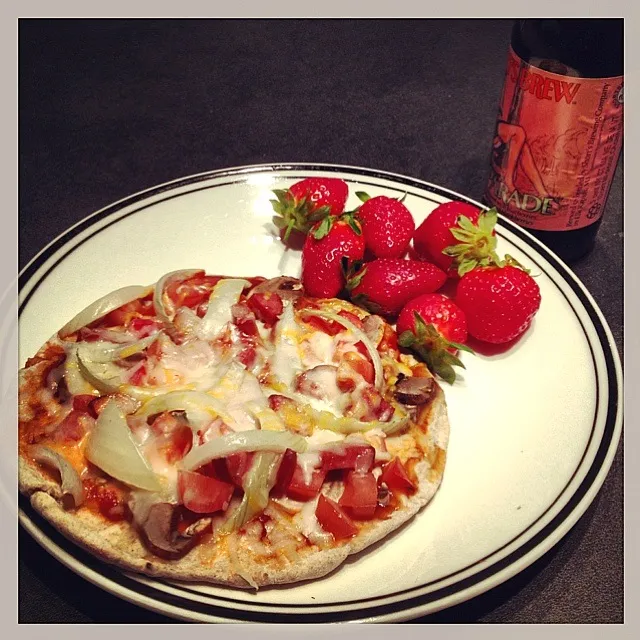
[(288, 463), (203, 494), (360, 495), (395, 476), (320, 383), (359, 335), (71, 484), (311, 525), (111, 447), (160, 530), (257, 484), (256, 440), (104, 352), (73, 427), (286, 287), (75, 381), (357, 456), (306, 480), (285, 362), (225, 294), (334, 520), (414, 390), (106, 377), (266, 306), (164, 306), (102, 307), (200, 407), (127, 404)]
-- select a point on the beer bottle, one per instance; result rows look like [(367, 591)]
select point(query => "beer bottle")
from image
[(559, 129)]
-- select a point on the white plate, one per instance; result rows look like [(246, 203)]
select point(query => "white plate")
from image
[(533, 430)]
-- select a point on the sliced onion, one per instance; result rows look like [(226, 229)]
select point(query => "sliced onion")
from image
[(158, 295), (225, 294), (286, 362), (360, 336), (257, 483), (102, 352), (76, 383), (111, 447), (103, 306), (106, 377), (269, 420), (70, 480), (346, 424), (189, 401), (257, 440)]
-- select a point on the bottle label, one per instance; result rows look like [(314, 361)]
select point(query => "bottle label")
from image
[(555, 146)]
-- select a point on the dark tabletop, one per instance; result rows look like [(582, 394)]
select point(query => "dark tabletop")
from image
[(108, 108)]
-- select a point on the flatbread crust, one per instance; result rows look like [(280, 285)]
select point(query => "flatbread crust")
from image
[(120, 544)]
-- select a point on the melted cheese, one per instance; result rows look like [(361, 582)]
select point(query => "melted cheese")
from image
[(308, 461)]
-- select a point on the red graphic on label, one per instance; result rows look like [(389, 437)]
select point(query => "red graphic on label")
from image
[(555, 147)]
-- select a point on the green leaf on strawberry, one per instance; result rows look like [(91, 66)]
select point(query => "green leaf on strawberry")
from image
[(433, 349), (477, 243), (323, 228)]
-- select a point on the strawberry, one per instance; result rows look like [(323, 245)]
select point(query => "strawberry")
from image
[(306, 202), (499, 300), (387, 225), (328, 242), (452, 229), (385, 285), (434, 327)]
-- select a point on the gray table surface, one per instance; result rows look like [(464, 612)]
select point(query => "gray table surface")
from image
[(108, 108)]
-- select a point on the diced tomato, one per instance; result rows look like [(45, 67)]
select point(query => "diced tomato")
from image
[(395, 476), (144, 327), (352, 456), (300, 489), (351, 317), (360, 364), (285, 471), (81, 402), (237, 465), (244, 319), (247, 356), (137, 377), (191, 292), (326, 326), (385, 411), (203, 494), (360, 494), (334, 520), (267, 307)]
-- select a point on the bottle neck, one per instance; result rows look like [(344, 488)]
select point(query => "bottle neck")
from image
[(581, 47)]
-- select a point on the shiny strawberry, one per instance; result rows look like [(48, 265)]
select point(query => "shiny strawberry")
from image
[(455, 235), (387, 225), (328, 242), (499, 301), (306, 202), (434, 327), (385, 285)]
